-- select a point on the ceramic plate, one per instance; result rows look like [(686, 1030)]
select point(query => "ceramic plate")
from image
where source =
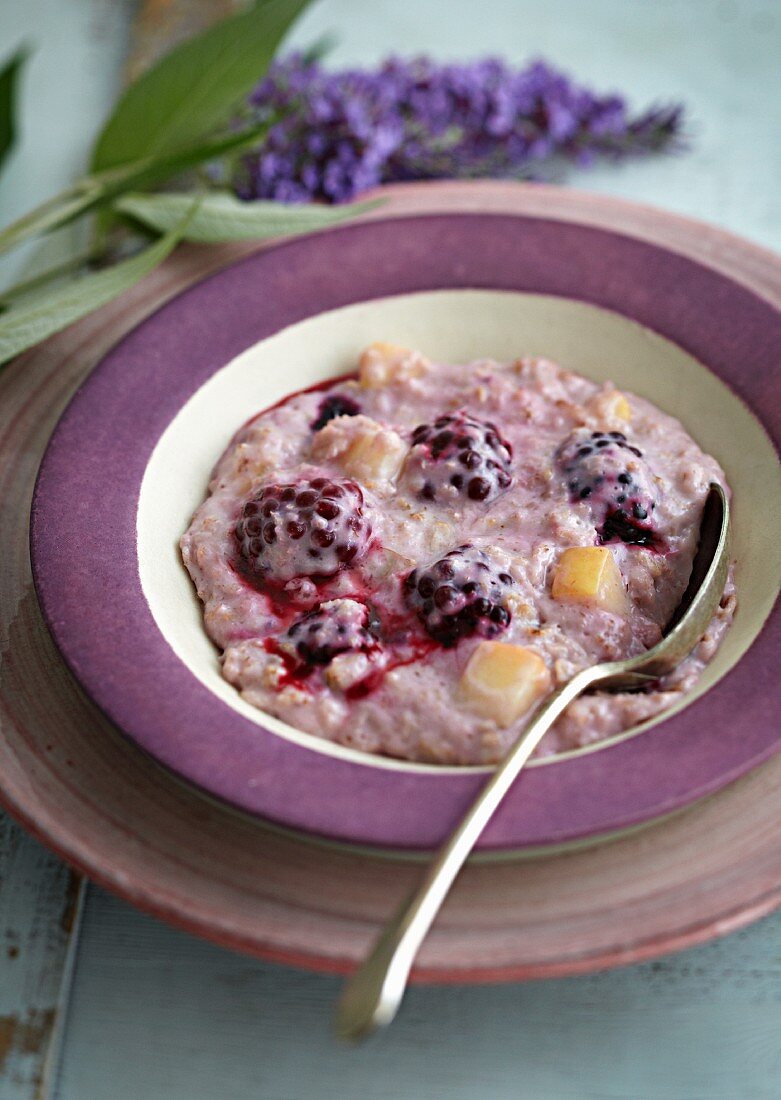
[(129, 460), (110, 810)]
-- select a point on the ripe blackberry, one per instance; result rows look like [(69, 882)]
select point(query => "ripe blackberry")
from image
[(336, 404), (337, 626), (620, 526), (458, 456), (608, 472), (459, 595), (310, 528)]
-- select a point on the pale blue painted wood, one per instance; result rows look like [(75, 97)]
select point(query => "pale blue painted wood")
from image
[(40, 909), (157, 1015)]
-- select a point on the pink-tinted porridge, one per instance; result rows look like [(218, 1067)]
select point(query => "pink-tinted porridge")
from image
[(409, 560)]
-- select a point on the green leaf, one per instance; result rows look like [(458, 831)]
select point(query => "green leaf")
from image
[(53, 213), (194, 88), (223, 217), (97, 190), (36, 318), (9, 78), (153, 170), (33, 286)]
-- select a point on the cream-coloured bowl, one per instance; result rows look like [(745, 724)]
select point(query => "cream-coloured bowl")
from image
[(453, 326)]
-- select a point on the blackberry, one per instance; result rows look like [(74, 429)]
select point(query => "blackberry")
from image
[(460, 595), (310, 528), (338, 626), (458, 456), (336, 404), (621, 527), (610, 474)]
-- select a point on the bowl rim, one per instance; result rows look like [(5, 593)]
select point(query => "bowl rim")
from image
[(157, 701)]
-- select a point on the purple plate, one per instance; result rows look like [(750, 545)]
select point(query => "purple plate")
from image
[(83, 531)]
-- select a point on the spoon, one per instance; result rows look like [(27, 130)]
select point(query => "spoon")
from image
[(373, 994)]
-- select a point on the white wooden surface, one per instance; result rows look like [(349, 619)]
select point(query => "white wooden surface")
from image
[(156, 1014)]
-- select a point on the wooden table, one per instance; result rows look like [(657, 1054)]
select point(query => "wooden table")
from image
[(156, 1014)]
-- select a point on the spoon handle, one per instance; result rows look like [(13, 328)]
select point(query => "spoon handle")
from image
[(373, 994)]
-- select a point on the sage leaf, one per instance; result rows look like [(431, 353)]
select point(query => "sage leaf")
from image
[(33, 286), (222, 217), (9, 81), (53, 213), (194, 88), (33, 319), (95, 191)]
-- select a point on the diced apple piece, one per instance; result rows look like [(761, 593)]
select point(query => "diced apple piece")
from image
[(376, 457), (364, 448), (502, 681), (381, 364), (346, 670), (610, 404), (621, 408), (590, 575)]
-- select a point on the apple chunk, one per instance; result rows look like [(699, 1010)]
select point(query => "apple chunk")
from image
[(501, 681), (621, 407), (590, 575), (382, 364), (610, 404), (375, 456), (363, 447)]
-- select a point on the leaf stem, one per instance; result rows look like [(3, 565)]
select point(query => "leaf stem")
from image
[(20, 290), (29, 322), (102, 188)]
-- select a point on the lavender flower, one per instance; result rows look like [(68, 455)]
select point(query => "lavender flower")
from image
[(335, 134)]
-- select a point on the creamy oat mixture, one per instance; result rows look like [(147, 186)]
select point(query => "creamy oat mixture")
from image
[(409, 560)]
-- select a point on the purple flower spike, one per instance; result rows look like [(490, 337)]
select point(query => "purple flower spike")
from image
[(335, 134)]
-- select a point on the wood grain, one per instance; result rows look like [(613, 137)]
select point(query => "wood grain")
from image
[(74, 780), (38, 917)]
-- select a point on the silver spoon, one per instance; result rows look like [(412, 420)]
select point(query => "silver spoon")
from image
[(373, 994)]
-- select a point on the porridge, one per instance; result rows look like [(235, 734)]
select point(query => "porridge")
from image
[(408, 560)]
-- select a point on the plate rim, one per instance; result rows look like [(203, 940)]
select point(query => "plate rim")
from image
[(497, 839), (693, 934)]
